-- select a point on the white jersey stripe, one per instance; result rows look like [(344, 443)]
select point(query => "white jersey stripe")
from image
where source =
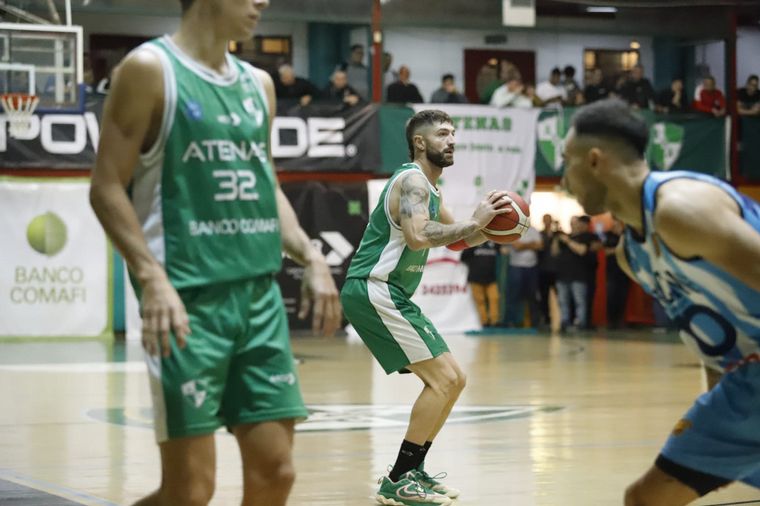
[(157, 392), (407, 338)]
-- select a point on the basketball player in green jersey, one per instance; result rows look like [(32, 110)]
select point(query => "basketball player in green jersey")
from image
[(384, 273), (184, 186)]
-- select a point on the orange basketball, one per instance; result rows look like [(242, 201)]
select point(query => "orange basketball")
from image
[(509, 227)]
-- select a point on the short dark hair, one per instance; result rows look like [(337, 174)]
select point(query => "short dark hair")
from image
[(556, 71), (613, 119), (569, 71), (447, 76), (585, 219), (186, 4), (421, 119), (753, 77), (357, 46)]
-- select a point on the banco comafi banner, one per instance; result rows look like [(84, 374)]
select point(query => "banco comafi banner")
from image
[(54, 267)]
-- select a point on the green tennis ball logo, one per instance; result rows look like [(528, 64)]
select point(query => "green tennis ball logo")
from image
[(46, 234)]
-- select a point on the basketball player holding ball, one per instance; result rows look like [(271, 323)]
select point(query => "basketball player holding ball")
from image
[(384, 273)]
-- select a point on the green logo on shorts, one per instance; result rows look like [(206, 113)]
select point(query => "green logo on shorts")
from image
[(46, 234), (195, 392)]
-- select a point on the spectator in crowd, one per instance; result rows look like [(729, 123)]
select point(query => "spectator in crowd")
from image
[(507, 70), (487, 76), (572, 88), (596, 89), (637, 90), (291, 89), (530, 94), (389, 75), (620, 81), (711, 99), (404, 91), (481, 275), (547, 266), (572, 274), (617, 280), (340, 91), (551, 92), (511, 94), (448, 93), (357, 72), (748, 98), (522, 279), (672, 100), (592, 262)]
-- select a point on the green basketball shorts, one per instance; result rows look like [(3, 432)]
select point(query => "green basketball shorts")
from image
[(237, 367), (391, 325)]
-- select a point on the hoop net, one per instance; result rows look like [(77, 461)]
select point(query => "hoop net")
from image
[(19, 108)]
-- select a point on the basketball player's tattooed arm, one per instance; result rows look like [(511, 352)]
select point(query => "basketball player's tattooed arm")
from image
[(698, 219), (474, 239), (318, 291), (420, 231), (131, 118)]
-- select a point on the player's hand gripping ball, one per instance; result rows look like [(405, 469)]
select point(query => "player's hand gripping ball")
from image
[(510, 226)]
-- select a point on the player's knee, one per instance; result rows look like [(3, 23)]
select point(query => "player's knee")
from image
[(447, 385), (461, 381), (275, 474)]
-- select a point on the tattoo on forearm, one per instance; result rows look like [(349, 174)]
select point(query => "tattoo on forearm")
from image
[(439, 234), (414, 197)]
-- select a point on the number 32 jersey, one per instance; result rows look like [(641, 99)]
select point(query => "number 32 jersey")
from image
[(717, 313), (205, 192)]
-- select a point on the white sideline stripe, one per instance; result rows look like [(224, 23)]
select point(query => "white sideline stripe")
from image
[(88, 367)]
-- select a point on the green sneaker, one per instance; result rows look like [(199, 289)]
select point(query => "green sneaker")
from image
[(433, 483), (407, 492)]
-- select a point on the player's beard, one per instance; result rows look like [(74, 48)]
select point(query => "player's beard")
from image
[(438, 158)]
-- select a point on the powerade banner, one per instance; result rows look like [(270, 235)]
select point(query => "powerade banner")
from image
[(55, 141), (54, 267), (320, 137), (334, 216), (676, 142), (495, 149), (327, 137)]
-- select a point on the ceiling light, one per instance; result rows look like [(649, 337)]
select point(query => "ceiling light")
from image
[(599, 9), (635, 44)]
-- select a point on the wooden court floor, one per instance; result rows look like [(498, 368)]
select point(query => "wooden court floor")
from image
[(556, 421)]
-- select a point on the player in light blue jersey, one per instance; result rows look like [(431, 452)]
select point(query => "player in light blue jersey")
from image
[(692, 242)]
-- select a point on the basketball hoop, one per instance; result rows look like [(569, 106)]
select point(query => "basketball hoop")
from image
[(19, 108)]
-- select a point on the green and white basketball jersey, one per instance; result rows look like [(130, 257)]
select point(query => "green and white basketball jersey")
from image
[(383, 253), (205, 192)]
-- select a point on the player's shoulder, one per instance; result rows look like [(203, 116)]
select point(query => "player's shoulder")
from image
[(141, 62), (685, 199), (260, 74)]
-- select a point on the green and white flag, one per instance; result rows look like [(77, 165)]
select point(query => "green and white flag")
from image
[(665, 143)]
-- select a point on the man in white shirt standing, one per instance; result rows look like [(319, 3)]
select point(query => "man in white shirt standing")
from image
[(522, 279), (551, 92)]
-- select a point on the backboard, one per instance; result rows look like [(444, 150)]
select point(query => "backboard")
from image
[(43, 60)]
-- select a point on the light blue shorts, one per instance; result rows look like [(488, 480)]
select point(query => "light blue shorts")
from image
[(720, 434)]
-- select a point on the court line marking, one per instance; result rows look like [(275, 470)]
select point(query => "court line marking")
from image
[(81, 367), (754, 501), (53, 489)]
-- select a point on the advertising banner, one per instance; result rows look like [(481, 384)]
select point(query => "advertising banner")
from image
[(334, 216), (54, 266)]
